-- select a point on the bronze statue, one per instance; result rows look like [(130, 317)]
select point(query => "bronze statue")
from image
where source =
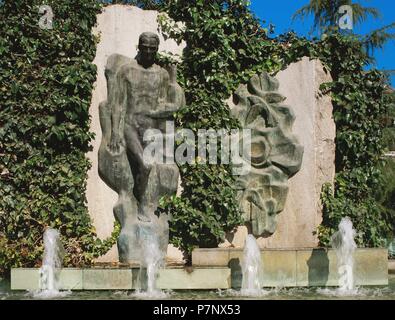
[(276, 154), (141, 96)]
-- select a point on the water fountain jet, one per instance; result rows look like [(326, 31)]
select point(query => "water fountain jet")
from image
[(344, 244), (52, 263), (252, 268), (152, 259)]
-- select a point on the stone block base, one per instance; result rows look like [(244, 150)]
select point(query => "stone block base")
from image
[(299, 267), (126, 279)]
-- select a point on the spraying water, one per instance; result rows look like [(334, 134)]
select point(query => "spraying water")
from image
[(252, 268), (152, 259), (52, 263), (343, 243)]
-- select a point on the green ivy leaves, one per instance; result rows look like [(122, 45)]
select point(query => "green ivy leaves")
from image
[(46, 81)]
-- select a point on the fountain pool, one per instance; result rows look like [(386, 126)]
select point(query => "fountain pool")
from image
[(362, 293)]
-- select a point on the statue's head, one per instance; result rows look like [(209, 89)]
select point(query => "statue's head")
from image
[(148, 47)]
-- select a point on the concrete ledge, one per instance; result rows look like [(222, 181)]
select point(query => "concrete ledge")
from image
[(279, 267), (125, 279), (300, 267), (215, 278), (25, 279), (221, 269), (70, 279), (107, 279)]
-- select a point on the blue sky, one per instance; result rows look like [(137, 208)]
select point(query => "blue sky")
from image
[(279, 13)]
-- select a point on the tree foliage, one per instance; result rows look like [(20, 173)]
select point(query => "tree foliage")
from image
[(146, 4), (359, 105), (326, 14), (326, 19)]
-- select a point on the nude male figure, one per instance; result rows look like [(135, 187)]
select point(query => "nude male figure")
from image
[(147, 97)]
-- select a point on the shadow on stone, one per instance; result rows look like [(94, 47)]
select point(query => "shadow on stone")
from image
[(236, 273), (4, 284), (318, 264)]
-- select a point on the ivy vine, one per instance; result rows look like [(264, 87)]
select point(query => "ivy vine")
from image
[(46, 81)]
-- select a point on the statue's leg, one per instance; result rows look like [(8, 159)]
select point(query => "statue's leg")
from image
[(140, 170), (150, 198), (163, 180)]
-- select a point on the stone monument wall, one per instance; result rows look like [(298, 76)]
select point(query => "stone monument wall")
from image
[(119, 28), (315, 129)]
